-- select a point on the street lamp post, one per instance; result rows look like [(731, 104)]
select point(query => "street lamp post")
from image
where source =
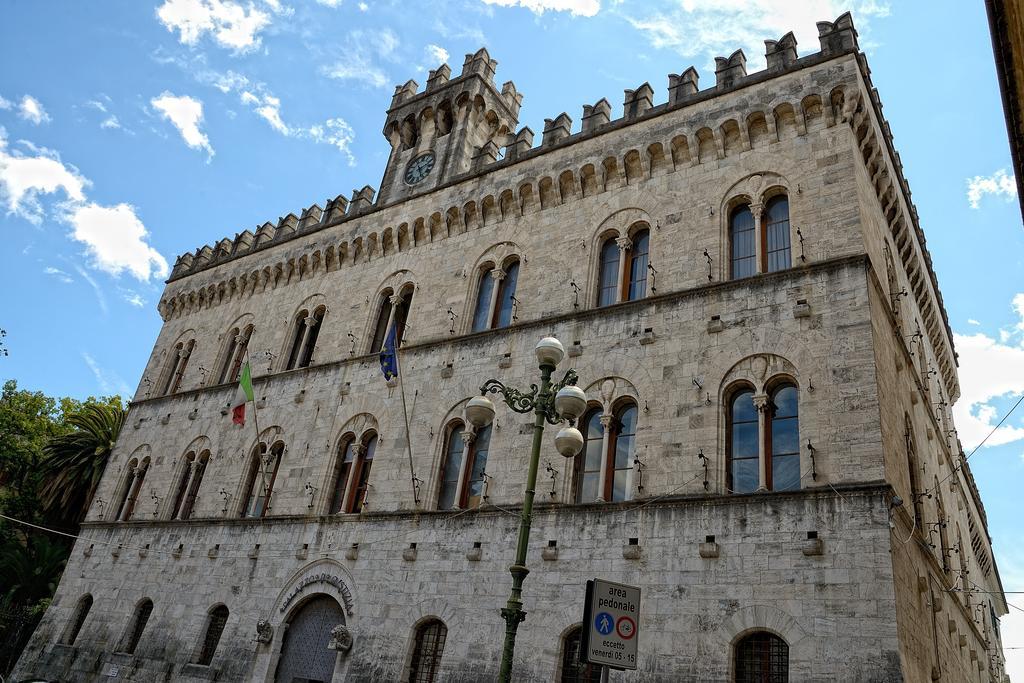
[(550, 403)]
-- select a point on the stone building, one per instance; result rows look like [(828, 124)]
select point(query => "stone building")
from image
[(740, 280)]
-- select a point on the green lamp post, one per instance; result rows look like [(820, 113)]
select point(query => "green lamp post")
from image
[(551, 402)]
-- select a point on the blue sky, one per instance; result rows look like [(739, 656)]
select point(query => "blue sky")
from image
[(131, 132)]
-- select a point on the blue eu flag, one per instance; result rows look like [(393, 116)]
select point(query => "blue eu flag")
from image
[(389, 357)]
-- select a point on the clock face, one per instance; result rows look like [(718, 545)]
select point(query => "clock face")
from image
[(419, 168)]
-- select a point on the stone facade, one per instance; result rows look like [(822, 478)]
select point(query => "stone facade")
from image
[(852, 568)]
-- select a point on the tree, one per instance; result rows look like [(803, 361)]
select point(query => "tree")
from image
[(74, 461)]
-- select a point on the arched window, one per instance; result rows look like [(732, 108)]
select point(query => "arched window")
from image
[(783, 439), (622, 448), (484, 294), (402, 313), (305, 330), (361, 473), (77, 619), (587, 467), (637, 259), (392, 315), (504, 303), (476, 468), (188, 484), (452, 468), (183, 479), (464, 471), (298, 331), (428, 646), (768, 461), (176, 365), (573, 670), (601, 471), (761, 657), (608, 276), (137, 625), (776, 234), (234, 356), (342, 469), (259, 486), (383, 318), (742, 248), (742, 451), (132, 485), (125, 488), (215, 623), (914, 469)]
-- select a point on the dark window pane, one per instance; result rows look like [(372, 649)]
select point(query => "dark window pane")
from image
[(475, 477), (344, 467), (639, 258), (427, 651), (784, 401), (785, 472), (608, 281), (776, 217), (743, 407), (382, 322), (297, 332), (483, 300), (744, 440), (742, 253), (573, 670), (762, 658), (745, 478), (588, 463), (452, 466), (218, 620), (785, 437), (503, 314)]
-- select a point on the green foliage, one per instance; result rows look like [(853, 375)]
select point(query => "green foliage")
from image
[(75, 460), (52, 455)]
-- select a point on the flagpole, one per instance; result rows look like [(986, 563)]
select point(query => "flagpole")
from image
[(408, 436), (256, 425)]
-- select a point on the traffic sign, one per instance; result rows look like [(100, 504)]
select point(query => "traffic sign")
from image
[(610, 616)]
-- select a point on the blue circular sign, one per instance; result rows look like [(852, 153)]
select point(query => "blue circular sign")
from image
[(604, 623)]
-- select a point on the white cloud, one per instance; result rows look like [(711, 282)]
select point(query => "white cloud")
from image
[(110, 122), (437, 54), (363, 7), (972, 321), (258, 97), (186, 113), (25, 177), (134, 298), (360, 59), (5, 104), (580, 8), (710, 28), (330, 3), (229, 23), (59, 274), (109, 383), (999, 183), (32, 110), (990, 369), (335, 132), (116, 239), (114, 236), (97, 105)]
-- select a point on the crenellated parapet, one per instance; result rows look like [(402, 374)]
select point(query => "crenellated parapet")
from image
[(446, 102)]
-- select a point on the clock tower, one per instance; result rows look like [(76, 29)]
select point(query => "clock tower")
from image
[(449, 129)]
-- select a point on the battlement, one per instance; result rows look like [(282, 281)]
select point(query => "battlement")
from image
[(506, 147)]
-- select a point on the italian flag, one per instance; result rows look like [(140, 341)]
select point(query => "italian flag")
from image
[(242, 396)]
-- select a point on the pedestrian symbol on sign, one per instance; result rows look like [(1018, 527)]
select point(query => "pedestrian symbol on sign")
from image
[(604, 623)]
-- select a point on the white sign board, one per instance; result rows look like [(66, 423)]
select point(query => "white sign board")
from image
[(611, 620)]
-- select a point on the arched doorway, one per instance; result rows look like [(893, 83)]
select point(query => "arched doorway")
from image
[(305, 657)]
